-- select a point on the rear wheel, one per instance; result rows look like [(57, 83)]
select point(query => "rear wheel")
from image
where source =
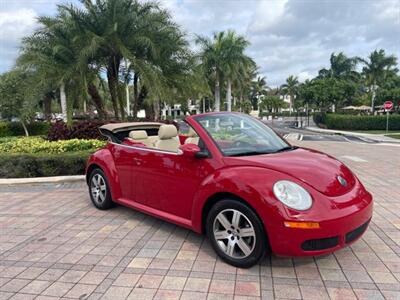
[(99, 190), (236, 233)]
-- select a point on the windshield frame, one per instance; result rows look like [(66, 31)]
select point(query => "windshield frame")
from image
[(197, 118)]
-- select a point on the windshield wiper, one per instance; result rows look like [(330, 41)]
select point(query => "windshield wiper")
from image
[(250, 153), (287, 148)]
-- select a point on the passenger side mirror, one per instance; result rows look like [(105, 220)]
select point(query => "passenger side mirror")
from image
[(191, 150)]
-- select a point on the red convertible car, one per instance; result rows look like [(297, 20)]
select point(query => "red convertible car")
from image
[(233, 178)]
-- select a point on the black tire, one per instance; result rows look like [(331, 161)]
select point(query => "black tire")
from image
[(103, 200), (249, 222)]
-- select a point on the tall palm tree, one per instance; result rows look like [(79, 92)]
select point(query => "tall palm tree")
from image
[(291, 88), (376, 69), (223, 58), (235, 62), (341, 66), (211, 57), (259, 87), (49, 52)]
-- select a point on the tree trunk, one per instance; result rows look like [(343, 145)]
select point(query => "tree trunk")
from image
[(217, 103), (156, 109), (120, 93), (149, 109), (128, 104), (47, 106), (135, 95), (373, 98), (63, 99), (25, 129), (112, 78), (97, 101), (229, 95)]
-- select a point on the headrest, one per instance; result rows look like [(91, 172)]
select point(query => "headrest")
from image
[(167, 132), (138, 134), (191, 132)]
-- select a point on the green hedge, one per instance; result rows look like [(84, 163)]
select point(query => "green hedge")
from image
[(350, 122), (41, 165), (35, 144), (16, 129)]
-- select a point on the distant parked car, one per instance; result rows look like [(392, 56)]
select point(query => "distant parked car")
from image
[(236, 180)]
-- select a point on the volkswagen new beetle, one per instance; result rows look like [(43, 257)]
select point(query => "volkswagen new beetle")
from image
[(233, 178)]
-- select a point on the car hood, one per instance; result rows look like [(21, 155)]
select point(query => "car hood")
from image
[(314, 168)]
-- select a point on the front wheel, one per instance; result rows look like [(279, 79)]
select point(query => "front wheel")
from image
[(236, 233), (99, 190)]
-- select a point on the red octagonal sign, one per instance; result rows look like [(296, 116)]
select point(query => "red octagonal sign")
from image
[(388, 105)]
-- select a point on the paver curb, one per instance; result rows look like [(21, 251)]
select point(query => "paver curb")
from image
[(376, 137), (40, 180)]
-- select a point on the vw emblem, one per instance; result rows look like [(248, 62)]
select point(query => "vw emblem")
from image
[(342, 181)]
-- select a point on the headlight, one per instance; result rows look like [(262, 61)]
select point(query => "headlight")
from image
[(292, 195)]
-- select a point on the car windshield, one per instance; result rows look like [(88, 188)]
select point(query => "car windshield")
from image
[(241, 135)]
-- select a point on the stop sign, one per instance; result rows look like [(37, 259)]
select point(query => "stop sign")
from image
[(388, 105)]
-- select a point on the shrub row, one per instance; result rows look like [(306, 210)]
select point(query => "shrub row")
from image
[(16, 129), (83, 130), (350, 122), (40, 165), (78, 130), (39, 145)]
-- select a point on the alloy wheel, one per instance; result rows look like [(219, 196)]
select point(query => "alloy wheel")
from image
[(234, 233), (98, 188)]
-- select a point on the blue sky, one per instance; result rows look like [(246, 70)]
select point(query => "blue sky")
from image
[(287, 36)]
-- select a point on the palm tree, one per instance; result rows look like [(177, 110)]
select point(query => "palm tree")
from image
[(211, 57), (235, 62), (54, 53), (291, 88), (258, 88), (49, 52), (341, 67), (377, 68), (223, 58)]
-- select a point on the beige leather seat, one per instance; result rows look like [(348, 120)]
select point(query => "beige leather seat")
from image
[(153, 139), (192, 137), (140, 136), (167, 135)]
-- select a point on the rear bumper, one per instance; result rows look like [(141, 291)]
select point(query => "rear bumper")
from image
[(332, 235)]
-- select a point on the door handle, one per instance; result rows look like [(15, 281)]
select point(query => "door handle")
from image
[(137, 161)]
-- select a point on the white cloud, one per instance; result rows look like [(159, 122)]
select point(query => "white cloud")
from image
[(14, 26), (288, 37)]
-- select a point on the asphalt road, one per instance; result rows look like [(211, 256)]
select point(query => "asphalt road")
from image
[(286, 129)]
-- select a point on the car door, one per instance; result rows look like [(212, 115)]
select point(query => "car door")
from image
[(168, 181), (124, 159)]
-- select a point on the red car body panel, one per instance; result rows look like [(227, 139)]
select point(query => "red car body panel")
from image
[(176, 188)]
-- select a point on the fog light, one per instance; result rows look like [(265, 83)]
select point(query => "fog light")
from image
[(303, 225)]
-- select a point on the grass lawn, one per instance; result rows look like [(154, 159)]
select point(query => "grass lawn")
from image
[(395, 136)]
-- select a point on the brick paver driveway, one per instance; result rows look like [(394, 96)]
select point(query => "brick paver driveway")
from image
[(55, 244)]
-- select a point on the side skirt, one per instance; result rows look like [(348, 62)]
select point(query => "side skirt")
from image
[(156, 213)]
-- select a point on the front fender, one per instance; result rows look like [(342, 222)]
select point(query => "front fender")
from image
[(252, 184), (104, 159)]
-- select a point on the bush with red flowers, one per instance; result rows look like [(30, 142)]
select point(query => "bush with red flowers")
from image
[(78, 130)]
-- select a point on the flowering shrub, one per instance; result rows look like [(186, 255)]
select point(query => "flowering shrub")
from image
[(78, 130), (39, 145)]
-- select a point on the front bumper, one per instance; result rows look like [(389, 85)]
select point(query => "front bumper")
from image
[(333, 234)]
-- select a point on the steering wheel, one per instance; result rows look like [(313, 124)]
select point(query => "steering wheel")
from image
[(241, 142)]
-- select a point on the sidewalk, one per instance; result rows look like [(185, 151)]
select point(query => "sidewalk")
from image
[(41, 180), (375, 137)]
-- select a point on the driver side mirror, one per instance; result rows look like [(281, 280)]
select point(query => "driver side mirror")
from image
[(192, 151)]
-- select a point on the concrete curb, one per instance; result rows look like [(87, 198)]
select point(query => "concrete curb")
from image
[(41, 180)]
